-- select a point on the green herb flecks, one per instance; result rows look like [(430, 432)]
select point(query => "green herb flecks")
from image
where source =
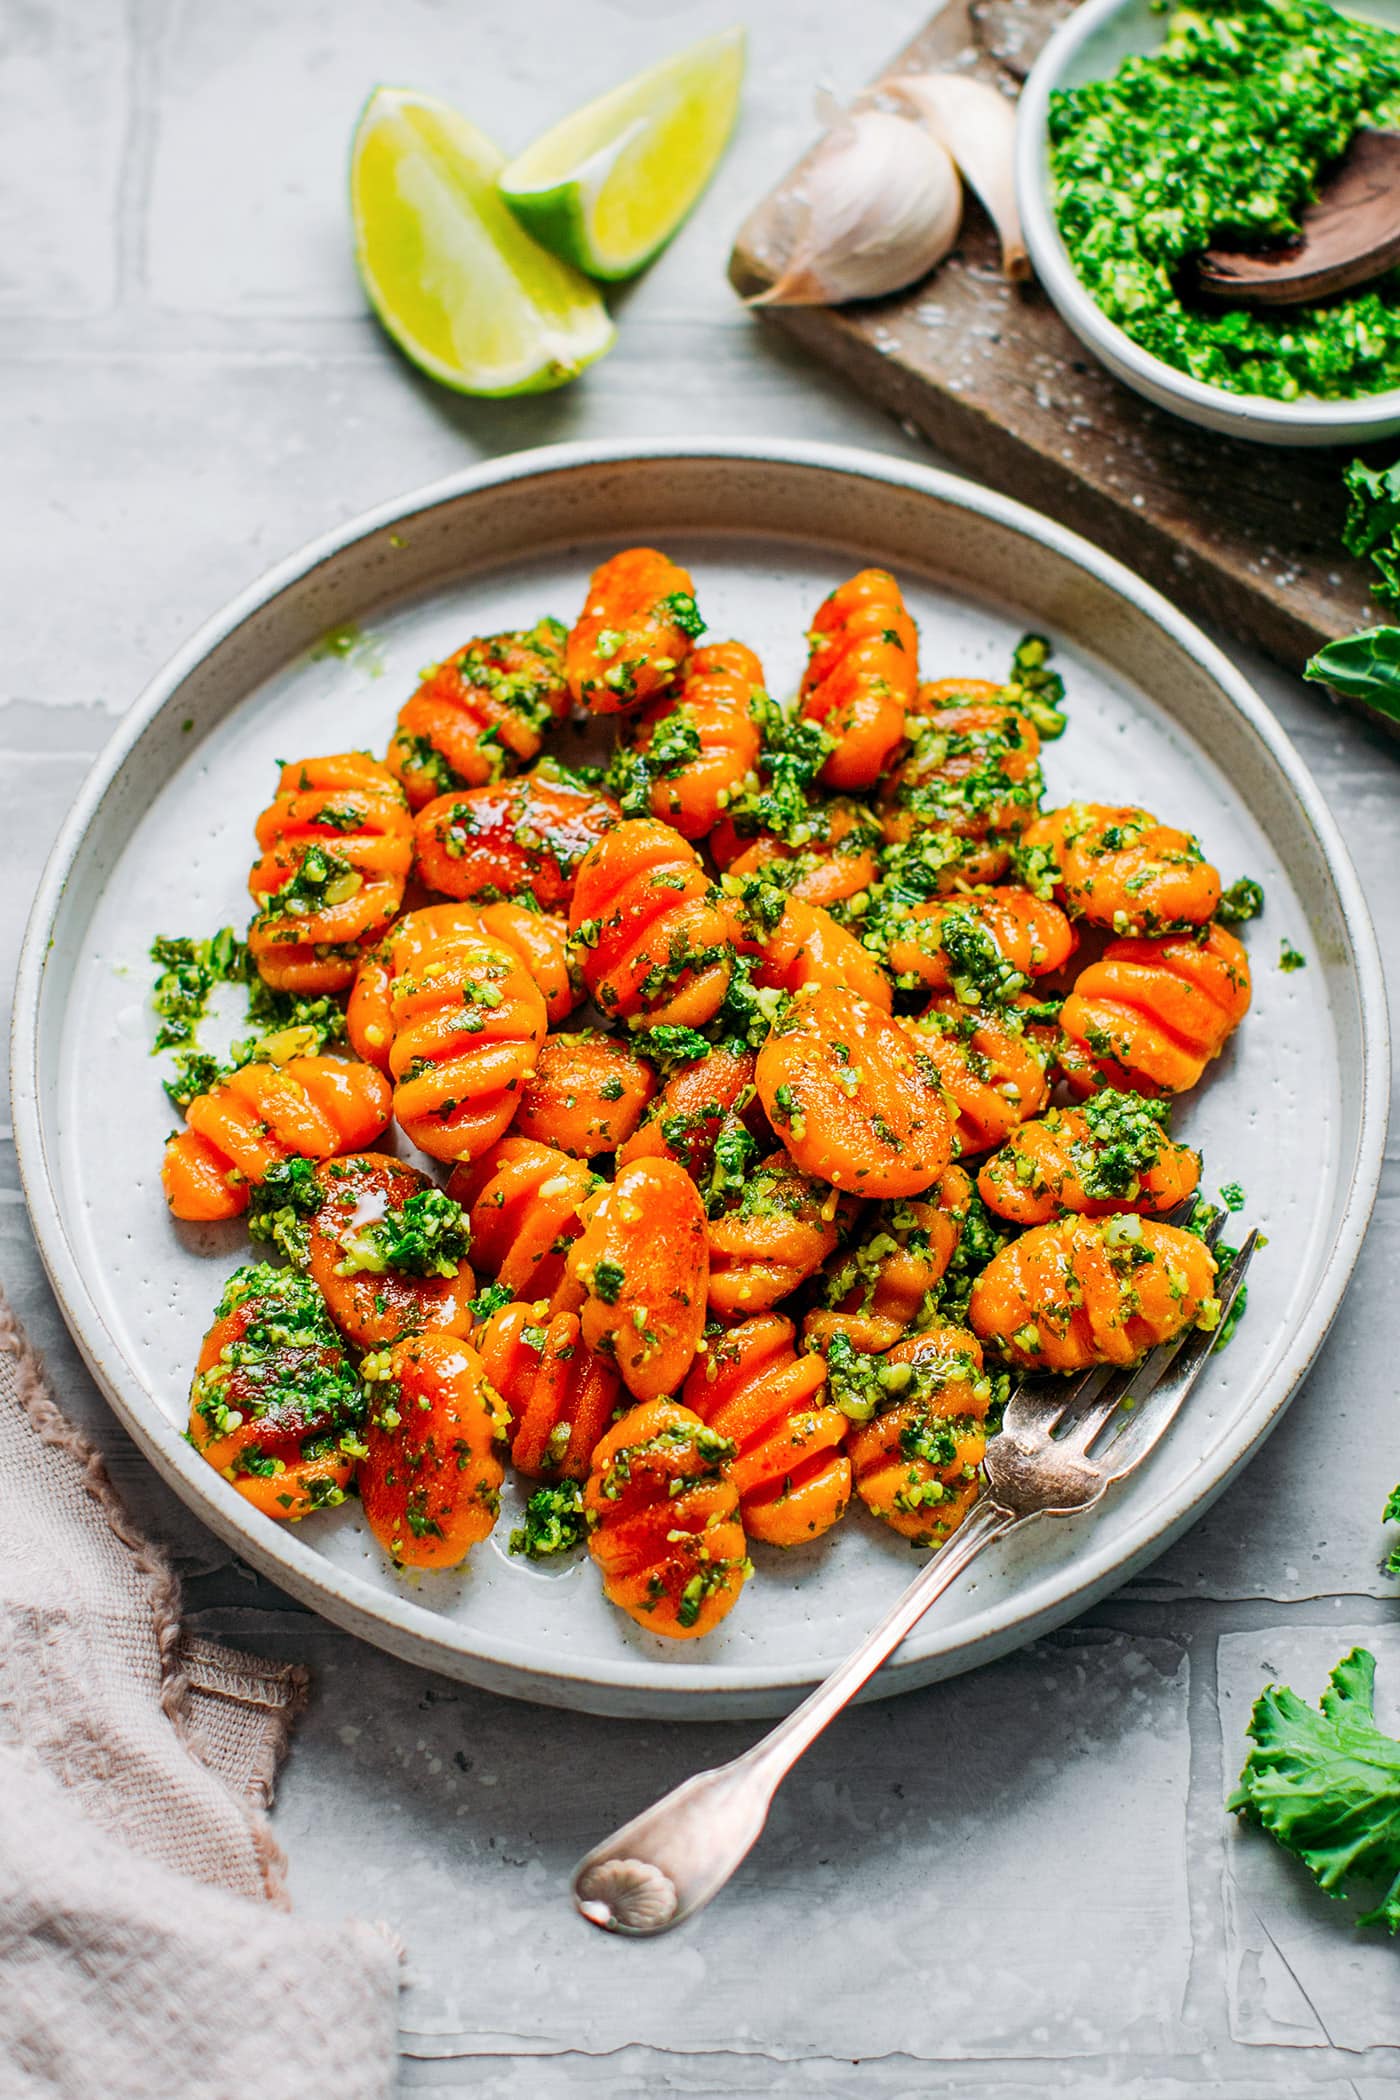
[(188, 972), (492, 1299), (668, 1046), (555, 1521), (1242, 901), (286, 1368), (321, 879), (1127, 1133), (1222, 131), (425, 1236), (672, 745), (281, 1026), (1038, 691), (781, 801), (281, 1206)]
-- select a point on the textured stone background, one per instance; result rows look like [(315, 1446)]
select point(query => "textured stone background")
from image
[(1018, 1882)]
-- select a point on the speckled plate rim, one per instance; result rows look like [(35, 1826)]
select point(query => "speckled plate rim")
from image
[(1308, 420), (629, 1685)]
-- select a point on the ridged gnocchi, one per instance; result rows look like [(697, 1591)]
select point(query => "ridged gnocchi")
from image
[(788, 1079)]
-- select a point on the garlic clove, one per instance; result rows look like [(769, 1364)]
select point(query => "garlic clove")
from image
[(881, 205), (977, 125)]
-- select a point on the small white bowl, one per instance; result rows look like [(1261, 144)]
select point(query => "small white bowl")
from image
[(1090, 46)]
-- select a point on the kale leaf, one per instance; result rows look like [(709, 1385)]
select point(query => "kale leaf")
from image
[(1364, 667), (1391, 1515), (1372, 528), (1326, 1784)]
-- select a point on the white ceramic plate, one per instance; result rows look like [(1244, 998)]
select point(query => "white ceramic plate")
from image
[(160, 841), (1091, 45)]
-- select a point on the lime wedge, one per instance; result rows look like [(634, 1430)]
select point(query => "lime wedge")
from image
[(608, 187), (452, 274)]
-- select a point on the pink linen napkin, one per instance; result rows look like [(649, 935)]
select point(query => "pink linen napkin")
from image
[(147, 1947)]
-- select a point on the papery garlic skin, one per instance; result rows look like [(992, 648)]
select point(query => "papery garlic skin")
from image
[(883, 204), (976, 124)]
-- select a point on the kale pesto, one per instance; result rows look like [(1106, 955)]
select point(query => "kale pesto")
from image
[(1222, 133), (554, 1521)]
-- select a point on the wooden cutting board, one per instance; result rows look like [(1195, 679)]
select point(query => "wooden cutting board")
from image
[(1244, 535)]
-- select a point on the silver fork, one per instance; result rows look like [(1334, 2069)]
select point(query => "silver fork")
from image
[(1061, 1446)]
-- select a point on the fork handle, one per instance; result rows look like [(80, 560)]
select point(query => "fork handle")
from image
[(668, 1862)]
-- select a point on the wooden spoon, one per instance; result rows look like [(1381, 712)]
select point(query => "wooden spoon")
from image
[(1349, 235)]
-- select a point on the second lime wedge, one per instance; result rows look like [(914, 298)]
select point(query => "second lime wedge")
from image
[(452, 274), (608, 187)]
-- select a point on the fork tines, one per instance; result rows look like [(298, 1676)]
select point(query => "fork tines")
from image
[(1099, 1408)]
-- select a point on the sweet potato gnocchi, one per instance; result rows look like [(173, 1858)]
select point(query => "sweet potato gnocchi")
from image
[(776, 1088)]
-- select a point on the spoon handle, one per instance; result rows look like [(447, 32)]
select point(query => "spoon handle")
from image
[(668, 1862)]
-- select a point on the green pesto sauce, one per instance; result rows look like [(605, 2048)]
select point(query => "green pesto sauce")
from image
[(1220, 134)]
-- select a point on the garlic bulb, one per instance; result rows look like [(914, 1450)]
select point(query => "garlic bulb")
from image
[(976, 124), (882, 204)]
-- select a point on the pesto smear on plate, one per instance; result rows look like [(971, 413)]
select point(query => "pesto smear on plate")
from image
[(1220, 134)]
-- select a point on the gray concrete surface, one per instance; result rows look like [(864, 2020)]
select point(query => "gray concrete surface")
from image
[(1019, 1883)]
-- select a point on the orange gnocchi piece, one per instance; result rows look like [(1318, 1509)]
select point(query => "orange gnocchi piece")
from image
[(430, 1482), (336, 846), (587, 1094), (523, 1200), (664, 1517), (483, 711), (373, 1304), (687, 1116), (992, 1069), (1088, 1291), (468, 1022), (915, 1463), (790, 1469), (854, 1098), (1150, 1015), (308, 1108), (643, 1260), (649, 934), (519, 838), (276, 1405), (1113, 1154), (559, 1395), (696, 749), (974, 771), (536, 939), (861, 676), (800, 945), (885, 1284), (1121, 868), (984, 938), (771, 1236), (832, 856), (634, 633)]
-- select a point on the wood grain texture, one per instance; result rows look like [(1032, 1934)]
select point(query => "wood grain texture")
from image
[(1247, 536)]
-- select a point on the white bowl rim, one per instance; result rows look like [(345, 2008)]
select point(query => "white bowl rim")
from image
[(1255, 414), (641, 1686)]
